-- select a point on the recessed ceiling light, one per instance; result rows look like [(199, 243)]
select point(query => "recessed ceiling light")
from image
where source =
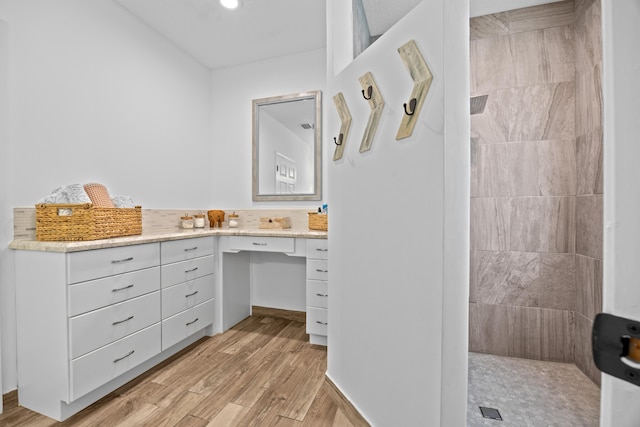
[(230, 4)]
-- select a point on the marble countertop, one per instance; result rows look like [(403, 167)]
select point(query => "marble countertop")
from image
[(177, 234)]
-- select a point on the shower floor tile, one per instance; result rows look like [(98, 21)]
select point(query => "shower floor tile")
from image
[(530, 393)]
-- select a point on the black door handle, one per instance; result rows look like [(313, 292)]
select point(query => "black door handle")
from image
[(616, 347)]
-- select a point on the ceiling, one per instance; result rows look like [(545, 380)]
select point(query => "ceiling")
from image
[(258, 30)]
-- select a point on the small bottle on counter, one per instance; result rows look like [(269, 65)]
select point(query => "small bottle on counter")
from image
[(198, 220), (186, 221), (233, 220)]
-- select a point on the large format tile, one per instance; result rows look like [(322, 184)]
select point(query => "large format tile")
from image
[(492, 126), (542, 112), (588, 286), (589, 163), (583, 354), (543, 16), (588, 38), (557, 281), (496, 24), (544, 56), (557, 335), (542, 224), (525, 332), (495, 66), (589, 226), (508, 278), (588, 96), (488, 329), (474, 167), (557, 160), (507, 169), (490, 223), (581, 6)]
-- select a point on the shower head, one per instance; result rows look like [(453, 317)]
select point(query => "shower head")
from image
[(478, 103)]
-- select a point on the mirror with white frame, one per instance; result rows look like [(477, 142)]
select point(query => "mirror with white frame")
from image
[(287, 147)]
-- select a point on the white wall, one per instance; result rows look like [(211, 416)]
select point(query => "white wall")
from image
[(6, 230), (234, 90), (620, 402), (398, 236), (97, 96)]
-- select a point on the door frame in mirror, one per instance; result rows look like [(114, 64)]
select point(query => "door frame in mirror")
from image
[(316, 95)]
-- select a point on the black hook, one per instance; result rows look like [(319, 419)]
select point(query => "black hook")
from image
[(339, 140), (412, 105), (369, 93)]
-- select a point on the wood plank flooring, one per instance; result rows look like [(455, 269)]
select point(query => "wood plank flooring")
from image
[(262, 372)]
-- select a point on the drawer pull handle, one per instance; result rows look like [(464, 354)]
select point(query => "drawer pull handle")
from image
[(191, 249), (192, 322), (319, 270), (191, 271), (122, 321), (191, 294), (118, 261), (322, 250), (124, 357), (321, 323), (322, 295), (259, 244), (122, 289)]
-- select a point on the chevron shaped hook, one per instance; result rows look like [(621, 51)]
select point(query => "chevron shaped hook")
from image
[(345, 118), (422, 77), (376, 103)]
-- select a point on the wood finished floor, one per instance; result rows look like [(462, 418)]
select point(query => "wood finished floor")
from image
[(262, 372)]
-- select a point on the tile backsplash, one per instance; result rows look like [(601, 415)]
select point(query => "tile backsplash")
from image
[(158, 220)]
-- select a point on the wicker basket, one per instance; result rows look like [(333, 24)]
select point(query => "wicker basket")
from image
[(318, 221), (74, 222)]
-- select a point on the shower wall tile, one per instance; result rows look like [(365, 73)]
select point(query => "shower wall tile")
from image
[(490, 226), (542, 112), (589, 224), (588, 101), (557, 167), (496, 24), (589, 163), (473, 274), (581, 7), (507, 170), (544, 56), (507, 278), (543, 16), (557, 281), (525, 332), (588, 286), (582, 348), (492, 126), (557, 335), (473, 87), (495, 66), (542, 224), (474, 167), (588, 37), (488, 329)]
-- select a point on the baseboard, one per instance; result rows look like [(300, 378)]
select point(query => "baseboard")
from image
[(298, 316), (344, 404)]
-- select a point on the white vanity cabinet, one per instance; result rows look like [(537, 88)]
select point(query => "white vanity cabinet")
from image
[(92, 320), (317, 290), (188, 288)]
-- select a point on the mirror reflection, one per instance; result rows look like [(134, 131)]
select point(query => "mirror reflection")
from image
[(287, 147)]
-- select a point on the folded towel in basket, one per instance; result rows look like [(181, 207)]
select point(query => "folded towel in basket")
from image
[(99, 195), (72, 193)]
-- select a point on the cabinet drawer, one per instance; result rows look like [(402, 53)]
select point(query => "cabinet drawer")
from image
[(317, 321), (317, 293), (317, 248), (317, 269), (263, 244), (184, 249), (98, 367), (100, 327), (186, 295), (180, 326), (179, 272), (87, 296), (89, 265)]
